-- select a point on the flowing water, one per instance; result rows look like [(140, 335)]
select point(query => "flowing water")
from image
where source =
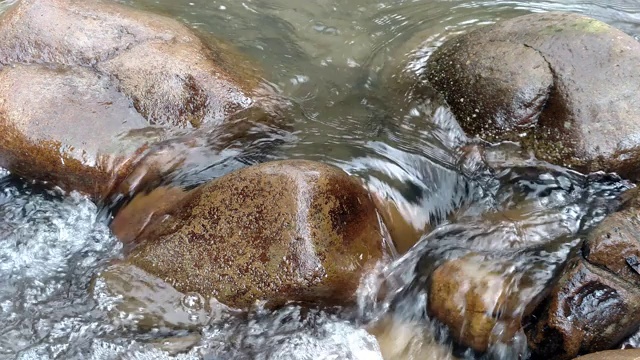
[(347, 66)]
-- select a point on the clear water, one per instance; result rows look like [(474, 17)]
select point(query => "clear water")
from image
[(347, 65)]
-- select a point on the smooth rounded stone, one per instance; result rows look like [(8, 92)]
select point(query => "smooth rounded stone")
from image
[(89, 86), (595, 304), (615, 244), (169, 73), (496, 90), (145, 302), (562, 84), (60, 125), (279, 231), (630, 354), (476, 301)]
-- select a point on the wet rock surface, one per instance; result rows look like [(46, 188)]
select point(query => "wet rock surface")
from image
[(476, 301), (89, 85), (408, 340), (59, 124), (279, 231), (171, 75), (482, 275), (145, 302), (496, 90), (562, 84), (594, 305)]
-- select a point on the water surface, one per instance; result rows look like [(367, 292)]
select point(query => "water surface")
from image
[(348, 66)]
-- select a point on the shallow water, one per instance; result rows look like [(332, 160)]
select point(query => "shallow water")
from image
[(345, 65)]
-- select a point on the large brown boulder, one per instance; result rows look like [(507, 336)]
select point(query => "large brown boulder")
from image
[(60, 124), (279, 231), (564, 85), (171, 75), (595, 304), (89, 85)]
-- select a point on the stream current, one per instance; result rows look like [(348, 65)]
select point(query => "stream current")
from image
[(333, 59)]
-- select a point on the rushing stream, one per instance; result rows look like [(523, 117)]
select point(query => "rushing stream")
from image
[(334, 59)]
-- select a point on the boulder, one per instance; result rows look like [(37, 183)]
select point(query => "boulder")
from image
[(478, 303), (171, 75), (90, 85), (595, 304), (495, 93), (564, 85), (62, 124), (279, 231)]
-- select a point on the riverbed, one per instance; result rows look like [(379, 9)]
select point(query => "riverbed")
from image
[(347, 66)]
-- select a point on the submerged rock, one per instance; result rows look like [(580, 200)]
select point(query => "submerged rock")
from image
[(483, 274), (280, 231), (477, 301), (134, 216), (89, 85), (137, 299), (564, 85), (403, 340), (595, 305), (401, 230)]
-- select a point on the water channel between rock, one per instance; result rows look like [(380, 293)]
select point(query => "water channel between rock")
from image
[(333, 59)]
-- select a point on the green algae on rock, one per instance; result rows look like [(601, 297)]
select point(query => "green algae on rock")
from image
[(280, 231), (564, 85)]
